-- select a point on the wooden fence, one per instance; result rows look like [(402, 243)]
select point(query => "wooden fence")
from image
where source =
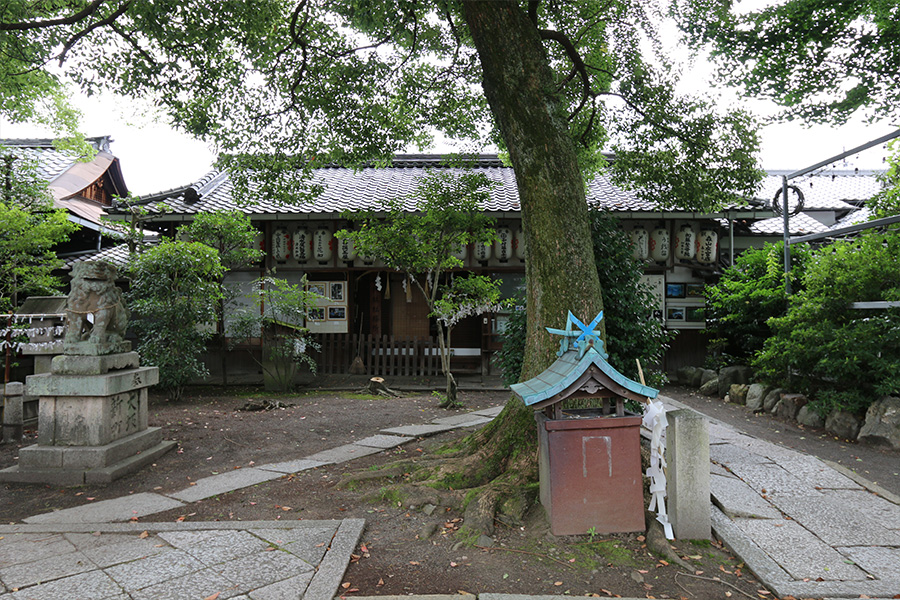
[(384, 355)]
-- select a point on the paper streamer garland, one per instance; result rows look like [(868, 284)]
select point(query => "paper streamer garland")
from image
[(655, 420)]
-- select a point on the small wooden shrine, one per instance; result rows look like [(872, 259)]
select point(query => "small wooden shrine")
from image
[(590, 461)]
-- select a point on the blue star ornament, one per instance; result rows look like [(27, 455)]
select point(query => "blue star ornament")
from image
[(585, 338)]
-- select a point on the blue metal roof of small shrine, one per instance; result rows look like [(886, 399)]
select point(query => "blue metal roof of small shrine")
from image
[(579, 350)]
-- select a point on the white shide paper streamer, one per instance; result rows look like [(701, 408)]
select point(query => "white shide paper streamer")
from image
[(655, 420)]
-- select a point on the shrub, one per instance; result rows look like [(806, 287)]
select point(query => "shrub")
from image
[(174, 290), (841, 357), (749, 293)]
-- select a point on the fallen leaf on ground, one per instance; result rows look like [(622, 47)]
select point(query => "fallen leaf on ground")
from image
[(144, 534), (213, 597)]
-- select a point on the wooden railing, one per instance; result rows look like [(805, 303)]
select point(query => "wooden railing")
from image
[(381, 355)]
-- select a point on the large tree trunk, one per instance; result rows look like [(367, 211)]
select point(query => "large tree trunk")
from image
[(518, 83), (501, 458)]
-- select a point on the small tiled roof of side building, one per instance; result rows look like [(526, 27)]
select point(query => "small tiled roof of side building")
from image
[(826, 190), (799, 224)]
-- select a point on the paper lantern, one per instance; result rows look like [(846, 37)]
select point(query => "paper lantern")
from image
[(641, 242), (346, 250), (302, 244), (519, 243), (482, 252), (707, 247), (323, 244), (659, 244), (503, 244), (281, 244), (685, 243)]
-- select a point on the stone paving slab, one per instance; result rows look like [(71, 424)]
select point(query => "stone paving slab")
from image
[(215, 547), (223, 483), (737, 499), (419, 430), (331, 570), (383, 441), (772, 480), (816, 473), (835, 523), (466, 420), (309, 544), (192, 560), (727, 454), (107, 511), (883, 563), (291, 588), (489, 412), (781, 541), (874, 506), (344, 453), (93, 585), (153, 570), (291, 466)]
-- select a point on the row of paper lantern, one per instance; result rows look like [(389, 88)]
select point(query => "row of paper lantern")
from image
[(687, 245), (320, 245)]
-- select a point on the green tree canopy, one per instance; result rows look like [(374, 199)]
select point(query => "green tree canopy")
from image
[(29, 229), (822, 61)]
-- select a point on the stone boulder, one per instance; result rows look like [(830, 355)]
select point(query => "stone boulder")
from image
[(790, 405), (810, 418), (882, 426), (756, 394), (710, 388), (772, 399), (843, 424), (687, 375), (707, 375), (737, 393), (732, 375)]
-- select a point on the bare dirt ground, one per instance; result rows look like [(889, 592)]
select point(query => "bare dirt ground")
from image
[(405, 549)]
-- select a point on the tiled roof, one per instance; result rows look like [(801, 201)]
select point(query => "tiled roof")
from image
[(370, 188), (856, 217), (117, 255), (67, 177), (800, 224), (51, 163), (828, 190)]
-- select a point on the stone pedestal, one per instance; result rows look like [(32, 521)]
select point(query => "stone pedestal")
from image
[(92, 423)]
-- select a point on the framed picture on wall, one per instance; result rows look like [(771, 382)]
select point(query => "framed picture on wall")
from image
[(675, 290), (316, 314), (695, 290), (695, 314), (337, 313), (336, 291), (675, 313), (316, 288)]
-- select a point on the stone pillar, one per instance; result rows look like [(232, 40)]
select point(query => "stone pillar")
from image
[(13, 417), (687, 457)]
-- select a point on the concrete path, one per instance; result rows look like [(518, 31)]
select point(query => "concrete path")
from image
[(807, 529)]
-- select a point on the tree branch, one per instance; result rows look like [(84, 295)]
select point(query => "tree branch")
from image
[(107, 21), (70, 20)]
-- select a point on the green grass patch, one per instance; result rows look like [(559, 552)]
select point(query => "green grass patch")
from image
[(598, 554)]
